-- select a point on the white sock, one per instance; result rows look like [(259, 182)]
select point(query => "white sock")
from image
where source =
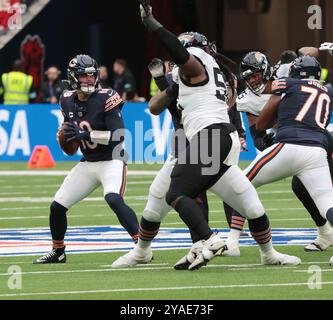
[(233, 236), (326, 228), (142, 244), (267, 247)]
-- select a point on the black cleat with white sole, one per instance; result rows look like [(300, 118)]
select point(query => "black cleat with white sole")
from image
[(54, 256)]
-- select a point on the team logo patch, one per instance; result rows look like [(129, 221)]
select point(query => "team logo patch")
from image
[(19, 242)]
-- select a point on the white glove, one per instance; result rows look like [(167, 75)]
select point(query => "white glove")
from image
[(156, 68), (327, 46)]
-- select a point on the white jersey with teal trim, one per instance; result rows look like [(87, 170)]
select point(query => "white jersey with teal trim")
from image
[(283, 71), (251, 103), (204, 104)]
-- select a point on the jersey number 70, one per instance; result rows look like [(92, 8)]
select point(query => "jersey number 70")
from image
[(322, 108)]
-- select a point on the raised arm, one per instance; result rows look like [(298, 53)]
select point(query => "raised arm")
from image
[(190, 68)]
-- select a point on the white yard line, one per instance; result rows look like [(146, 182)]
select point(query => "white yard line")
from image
[(84, 271), (162, 266), (77, 206), (28, 186), (49, 199), (231, 286), (64, 173), (321, 270)]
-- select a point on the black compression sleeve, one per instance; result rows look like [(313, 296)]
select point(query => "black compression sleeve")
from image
[(179, 55), (162, 83), (258, 138)]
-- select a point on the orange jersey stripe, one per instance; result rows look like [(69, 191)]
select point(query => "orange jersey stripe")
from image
[(268, 157)]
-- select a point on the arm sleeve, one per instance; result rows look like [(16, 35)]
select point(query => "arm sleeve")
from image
[(179, 55), (237, 121)]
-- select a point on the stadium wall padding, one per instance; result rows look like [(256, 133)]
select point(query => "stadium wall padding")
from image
[(148, 137)]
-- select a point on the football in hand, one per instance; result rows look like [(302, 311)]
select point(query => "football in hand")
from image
[(70, 147)]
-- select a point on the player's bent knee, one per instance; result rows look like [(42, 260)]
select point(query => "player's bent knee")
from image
[(254, 211), (151, 216), (156, 209), (113, 199), (170, 197)]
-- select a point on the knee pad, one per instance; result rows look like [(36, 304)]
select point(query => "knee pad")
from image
[(156, 209), (56, 208), (254, 210)]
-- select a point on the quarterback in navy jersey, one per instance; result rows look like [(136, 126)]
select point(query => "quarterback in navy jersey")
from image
[(93, 117), (101, 113)]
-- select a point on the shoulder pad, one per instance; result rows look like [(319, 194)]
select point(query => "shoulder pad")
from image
[(104, 91), (114, 100), (68, 93)]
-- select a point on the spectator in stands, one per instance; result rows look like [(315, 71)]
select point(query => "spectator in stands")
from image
[(122, 76), (16, 85), (51, 88), (130, 95), (104, 77)]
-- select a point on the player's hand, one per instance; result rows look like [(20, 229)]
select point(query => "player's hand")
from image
[(74, 132), (145, 8), (147, 16), (156, 68), (243, 144), (327, 46), (269, 139)]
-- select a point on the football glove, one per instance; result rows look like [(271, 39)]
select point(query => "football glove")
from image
[(145, 8), (327, 46), (268, 139), (156, 68), (74, 132), (147, 17)]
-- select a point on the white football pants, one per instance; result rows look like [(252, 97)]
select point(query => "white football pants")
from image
[(85, 177)]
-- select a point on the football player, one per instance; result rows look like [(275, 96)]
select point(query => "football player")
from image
[(302, 107), (204, 99), (93, 117), (157, 208), (253, 105)]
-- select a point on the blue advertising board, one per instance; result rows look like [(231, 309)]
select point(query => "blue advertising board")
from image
[(148, 137)]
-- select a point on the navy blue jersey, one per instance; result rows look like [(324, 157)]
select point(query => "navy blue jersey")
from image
[(102, 112), (304, 112)]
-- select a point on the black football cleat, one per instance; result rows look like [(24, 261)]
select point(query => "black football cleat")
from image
[(54, 256)]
